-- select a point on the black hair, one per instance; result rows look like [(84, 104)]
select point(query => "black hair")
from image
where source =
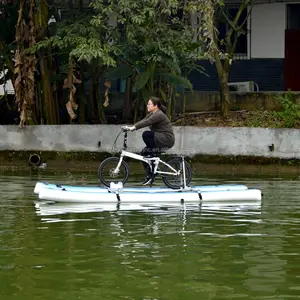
[(157, 101)]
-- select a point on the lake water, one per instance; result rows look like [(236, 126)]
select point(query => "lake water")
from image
[(149, 253)]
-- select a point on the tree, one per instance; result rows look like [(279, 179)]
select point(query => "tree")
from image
[(88, 47), (25, 22), (8, 20), (155, 40), (221, 51), (150, 45), (25, 64)]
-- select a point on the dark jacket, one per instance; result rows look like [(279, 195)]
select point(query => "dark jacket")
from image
[(162, 128)]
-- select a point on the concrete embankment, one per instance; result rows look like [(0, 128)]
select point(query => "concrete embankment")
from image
[(86, 145)]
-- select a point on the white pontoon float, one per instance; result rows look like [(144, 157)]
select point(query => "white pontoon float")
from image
[(117, 193)]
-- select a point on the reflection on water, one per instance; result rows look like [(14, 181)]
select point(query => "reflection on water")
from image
[(50, 208), (74, 251)]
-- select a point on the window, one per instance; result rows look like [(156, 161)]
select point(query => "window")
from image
[(293, 16), (223, 27)]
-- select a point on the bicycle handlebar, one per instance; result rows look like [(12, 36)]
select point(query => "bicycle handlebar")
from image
[(125, 128)]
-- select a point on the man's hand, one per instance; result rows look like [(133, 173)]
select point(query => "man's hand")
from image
[(128, 128)]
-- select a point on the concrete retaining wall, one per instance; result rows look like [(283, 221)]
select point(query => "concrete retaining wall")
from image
[(189, 140)]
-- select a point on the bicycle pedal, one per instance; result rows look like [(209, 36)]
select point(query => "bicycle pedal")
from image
[(148, 181)]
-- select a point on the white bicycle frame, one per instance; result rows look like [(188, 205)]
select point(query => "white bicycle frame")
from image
[(156, 161)]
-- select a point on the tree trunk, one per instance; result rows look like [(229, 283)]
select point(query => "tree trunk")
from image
[(92, 100), (224, 97), (25, 64), (97, 88), (92, 90), (136, 106), (50, 106), (39, 103), (223, 74), (101, 114), (170, 96), (127, 105), (173, 105), (183, 105)]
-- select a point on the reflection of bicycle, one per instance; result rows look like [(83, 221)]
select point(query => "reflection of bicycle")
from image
[(176, 173)]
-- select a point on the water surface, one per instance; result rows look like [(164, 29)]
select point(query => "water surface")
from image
[(149, 252)]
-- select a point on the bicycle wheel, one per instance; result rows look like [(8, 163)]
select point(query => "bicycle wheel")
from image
[(106, 169), (176, 182)]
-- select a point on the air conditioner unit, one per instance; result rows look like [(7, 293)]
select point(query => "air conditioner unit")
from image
[(242, 87), (6, 87)]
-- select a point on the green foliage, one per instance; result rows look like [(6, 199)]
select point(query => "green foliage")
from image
[(142, 79), (82, 40), (154, 40), (122, 71), (291, 109), (289, 117), (146, 40), (176, 81), (8, 20)]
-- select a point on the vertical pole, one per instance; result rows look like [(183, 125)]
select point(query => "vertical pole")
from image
[(184, 179)]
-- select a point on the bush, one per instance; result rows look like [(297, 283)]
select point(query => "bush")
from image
[(291, 110)]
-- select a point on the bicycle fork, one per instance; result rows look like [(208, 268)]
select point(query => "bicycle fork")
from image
[(117, 169)]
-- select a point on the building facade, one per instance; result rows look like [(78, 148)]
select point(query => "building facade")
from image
[(268, 55)]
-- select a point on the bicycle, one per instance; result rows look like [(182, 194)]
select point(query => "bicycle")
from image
[(176, 167)]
